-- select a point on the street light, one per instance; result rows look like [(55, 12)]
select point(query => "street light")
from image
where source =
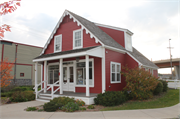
[(170, 57)]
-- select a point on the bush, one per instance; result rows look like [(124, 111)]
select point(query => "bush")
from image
[(51, 106), (110, 98), (82, 108), (139, 83), (31, 109), (17, 89), (6, 94), (70, 107), (158, 89), (80, 102), (165, 85), (90, 107), (19, 96), (63, 100)]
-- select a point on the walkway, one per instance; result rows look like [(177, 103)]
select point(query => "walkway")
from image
[(16, 111)]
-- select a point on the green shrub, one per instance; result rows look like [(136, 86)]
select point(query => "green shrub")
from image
[(6, 94), (19, 96), (110, 98), (158, 89), (82, 108), (165, 85), (70, 107), (40, 110), (17, 89), (90, 107), (139, 83), (80, 102), (51, 106), (31, 109), (63, 100)]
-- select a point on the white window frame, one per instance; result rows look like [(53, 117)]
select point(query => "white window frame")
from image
[(115, 72), (60, 43), (74, 38)]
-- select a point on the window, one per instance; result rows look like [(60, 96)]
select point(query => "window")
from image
[(77, 39), (21, 74), (58, 43), (53, 74), (128, 42), (115, 72), (81, 73)]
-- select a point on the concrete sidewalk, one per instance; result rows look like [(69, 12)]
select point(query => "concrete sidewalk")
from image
[(16, 111)]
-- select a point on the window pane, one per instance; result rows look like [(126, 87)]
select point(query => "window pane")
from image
[(90, 73), (113, 67), (118, 77), (79, 76), (113, 77), (57, 43), (118, 68), (56, 75), (64, 74), (71, 74), (81, 64), (50, 79)]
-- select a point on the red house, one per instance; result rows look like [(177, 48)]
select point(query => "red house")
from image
[(82, 59)]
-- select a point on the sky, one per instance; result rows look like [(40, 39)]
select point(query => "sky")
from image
[(153, 22)]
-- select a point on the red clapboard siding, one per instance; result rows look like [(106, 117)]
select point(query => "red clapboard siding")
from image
[(114, 57), (97, 78), (117, 35), (130, 62), (66, 29), (155, 73)]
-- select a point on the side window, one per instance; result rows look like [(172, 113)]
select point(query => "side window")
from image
[(77, 39), (58, 43), (115, 72)]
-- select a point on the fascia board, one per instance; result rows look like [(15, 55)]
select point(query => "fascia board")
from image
[(115, 49)]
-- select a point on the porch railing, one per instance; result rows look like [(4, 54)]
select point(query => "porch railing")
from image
[(36, 88), (52, 89)]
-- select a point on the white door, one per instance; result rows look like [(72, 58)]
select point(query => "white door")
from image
[(68, 78)]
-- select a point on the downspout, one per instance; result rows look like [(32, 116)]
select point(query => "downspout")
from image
[(15, 64)]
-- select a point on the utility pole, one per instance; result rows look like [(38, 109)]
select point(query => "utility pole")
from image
[(170, 56)]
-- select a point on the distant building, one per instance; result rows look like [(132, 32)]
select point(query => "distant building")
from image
[(24, 66)]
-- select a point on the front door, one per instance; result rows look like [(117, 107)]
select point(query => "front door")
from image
[(68, 78)]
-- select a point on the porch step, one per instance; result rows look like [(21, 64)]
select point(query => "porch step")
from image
[(44, 97)]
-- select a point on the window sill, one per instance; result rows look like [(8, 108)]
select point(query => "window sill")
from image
[(116, 82)]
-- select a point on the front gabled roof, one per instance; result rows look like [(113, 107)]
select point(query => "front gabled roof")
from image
[(94, 31)]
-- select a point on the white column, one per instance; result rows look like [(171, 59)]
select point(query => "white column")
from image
[(45, 76), (36, 78), (61, 75), (41, 75), (103, 71), (87, 75)]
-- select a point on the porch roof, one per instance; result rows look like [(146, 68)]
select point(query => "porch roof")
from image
[(92, 51)]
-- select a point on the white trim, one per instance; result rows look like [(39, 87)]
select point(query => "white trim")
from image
[(103, 68), (60, 43), (125, 41), (45, 76), (115, 63), (36, 78), (91, 52), (87, 75), (74, 38), (115, 49), (41, 74), (74, 20), (61, 75)]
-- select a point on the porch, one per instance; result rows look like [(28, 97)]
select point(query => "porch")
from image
[(46, 97), (72, 74)]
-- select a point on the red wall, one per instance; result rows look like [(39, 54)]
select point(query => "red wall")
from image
[(66, 29), (130, 62), (117, 35), (155, 73), (114, 57)]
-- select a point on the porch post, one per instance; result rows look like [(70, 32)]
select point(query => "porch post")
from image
[(41, 75), (103, 71), (45, 78), (61, 75), (36, 76), (87, 75)]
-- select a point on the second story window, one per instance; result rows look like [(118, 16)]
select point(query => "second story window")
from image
[(58, 43), (77, 39)]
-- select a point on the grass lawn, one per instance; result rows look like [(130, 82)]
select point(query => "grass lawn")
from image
[(165, 100)]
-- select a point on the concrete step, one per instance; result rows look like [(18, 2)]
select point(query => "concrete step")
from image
[(45, 97)]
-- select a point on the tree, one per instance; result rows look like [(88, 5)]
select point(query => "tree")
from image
[(5, 75), (5, 8)]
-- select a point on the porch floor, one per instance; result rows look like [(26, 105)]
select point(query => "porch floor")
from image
[(74, 94)]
